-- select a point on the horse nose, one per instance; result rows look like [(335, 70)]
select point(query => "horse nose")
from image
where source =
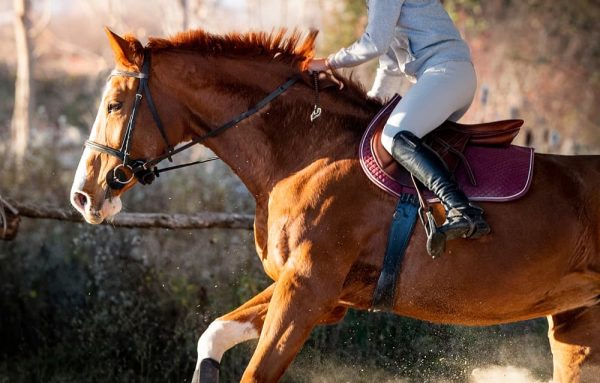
[(80, 200)]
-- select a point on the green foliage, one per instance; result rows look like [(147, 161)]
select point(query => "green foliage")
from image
[(90, 300), (467, 13), (343, 25)]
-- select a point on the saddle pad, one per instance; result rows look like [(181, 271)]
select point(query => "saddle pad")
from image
[(502, 173)]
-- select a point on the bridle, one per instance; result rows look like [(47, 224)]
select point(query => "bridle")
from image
[(145, 171)]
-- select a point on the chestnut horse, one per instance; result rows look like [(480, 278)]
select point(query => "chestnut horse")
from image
[(321, 226)]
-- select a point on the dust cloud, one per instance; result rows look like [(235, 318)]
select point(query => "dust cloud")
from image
[(503, 374)]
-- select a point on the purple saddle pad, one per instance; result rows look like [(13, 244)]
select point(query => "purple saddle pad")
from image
[(501, 173)]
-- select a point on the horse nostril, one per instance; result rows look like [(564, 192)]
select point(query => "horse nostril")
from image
[(80, 200)]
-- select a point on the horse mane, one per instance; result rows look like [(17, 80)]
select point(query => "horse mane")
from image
[(278, 45)]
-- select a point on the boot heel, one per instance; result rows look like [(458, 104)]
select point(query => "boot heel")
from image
[(481, 228)]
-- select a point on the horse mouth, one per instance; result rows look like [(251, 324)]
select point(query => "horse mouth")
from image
[(94, 218)]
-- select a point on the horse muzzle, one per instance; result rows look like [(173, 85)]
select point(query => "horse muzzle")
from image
[(94, 213)]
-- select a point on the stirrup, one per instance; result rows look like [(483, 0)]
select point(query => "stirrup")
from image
[(458, 225), (436, 240)]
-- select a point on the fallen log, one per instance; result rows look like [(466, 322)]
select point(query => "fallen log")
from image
[(205, 220)]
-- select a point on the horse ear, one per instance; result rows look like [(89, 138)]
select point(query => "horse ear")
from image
[(128, 51)]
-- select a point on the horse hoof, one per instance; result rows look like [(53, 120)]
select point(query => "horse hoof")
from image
[(436, 244), (208, 372)]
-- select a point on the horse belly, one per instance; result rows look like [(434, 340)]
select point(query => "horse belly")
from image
[(518, 272)]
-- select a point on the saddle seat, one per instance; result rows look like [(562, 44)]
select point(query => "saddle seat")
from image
[(481, 156)]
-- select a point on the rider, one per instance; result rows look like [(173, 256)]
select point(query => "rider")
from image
[(417, 39)]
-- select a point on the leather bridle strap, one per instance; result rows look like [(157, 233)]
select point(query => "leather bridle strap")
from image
[(143, 89), (145, 170), (230, 124)]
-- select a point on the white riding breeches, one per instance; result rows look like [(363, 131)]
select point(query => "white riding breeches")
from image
[(443, 92)]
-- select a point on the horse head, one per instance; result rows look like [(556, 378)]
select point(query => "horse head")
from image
[(123, 135), (202, 85)]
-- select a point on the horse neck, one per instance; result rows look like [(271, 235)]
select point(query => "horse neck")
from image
[(279, 140)]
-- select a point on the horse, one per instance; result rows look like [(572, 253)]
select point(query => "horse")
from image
[(320, 225)]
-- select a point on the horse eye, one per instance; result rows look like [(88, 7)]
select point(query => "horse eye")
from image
[(114, 106)]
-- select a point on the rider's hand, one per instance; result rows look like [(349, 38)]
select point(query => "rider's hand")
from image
[(318, 65)]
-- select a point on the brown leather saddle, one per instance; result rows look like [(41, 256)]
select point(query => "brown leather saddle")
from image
[(449, 140)]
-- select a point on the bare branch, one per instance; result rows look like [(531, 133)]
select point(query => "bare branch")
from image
[(40, 25)]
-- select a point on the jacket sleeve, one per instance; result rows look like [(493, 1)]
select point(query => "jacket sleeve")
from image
[(375, 41)]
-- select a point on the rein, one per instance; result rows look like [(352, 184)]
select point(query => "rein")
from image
[(145, 171)]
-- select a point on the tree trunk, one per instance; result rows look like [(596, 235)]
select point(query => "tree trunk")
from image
[(21, 119), (184, 15)]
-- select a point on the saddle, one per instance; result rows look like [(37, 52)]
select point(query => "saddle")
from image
[(481, 157), (485, 164)]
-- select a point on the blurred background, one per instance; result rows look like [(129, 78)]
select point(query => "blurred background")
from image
[(81, 303)]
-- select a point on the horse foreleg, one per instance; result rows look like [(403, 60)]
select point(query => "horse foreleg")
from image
[(575, 343), (299, 303), (240, 325)]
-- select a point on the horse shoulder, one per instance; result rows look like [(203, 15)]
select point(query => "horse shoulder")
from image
[(319, 208)]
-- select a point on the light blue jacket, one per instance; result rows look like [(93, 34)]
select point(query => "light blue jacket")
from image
[(408, 36)]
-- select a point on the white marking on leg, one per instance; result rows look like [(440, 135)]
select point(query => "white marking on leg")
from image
[(220, 336)]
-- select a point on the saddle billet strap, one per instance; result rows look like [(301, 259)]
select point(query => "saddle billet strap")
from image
[(403, 223), (450, 148)]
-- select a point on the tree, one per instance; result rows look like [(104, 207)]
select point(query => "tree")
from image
[(21, 119)]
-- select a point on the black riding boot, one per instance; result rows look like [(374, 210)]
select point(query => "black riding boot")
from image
[(463, 219)]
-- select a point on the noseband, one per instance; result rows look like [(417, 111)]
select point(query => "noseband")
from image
[(145, 171)]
